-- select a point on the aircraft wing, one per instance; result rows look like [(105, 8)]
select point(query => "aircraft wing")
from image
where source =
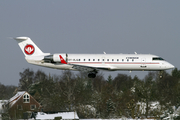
[(88, 68)]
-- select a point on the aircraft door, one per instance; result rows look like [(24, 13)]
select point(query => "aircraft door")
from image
[(143, 63)]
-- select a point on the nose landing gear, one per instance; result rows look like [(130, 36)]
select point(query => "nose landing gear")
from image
[(161, 74)]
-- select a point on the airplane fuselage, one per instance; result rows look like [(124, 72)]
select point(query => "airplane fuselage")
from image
[(130, 62)]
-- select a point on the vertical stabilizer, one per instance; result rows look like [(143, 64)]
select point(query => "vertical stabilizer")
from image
[(28, 47)]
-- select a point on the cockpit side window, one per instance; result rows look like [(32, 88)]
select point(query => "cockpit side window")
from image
[(157, 58)]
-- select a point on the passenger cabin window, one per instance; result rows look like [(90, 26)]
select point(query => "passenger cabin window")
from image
[(157, 58), (84, 59), (117, 59), (98, 59), (107, 59), (122, 59), (89, 59), (112, 59), (93, 59)]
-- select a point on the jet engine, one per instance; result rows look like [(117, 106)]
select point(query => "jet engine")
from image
[(56, 58)]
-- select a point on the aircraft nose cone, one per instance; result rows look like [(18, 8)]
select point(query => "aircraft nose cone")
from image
[(171, 66)]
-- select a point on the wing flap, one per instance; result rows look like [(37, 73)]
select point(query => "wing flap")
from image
[(83, 68), (88, 68)]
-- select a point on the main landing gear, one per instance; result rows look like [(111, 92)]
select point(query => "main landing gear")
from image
[(92, 75)]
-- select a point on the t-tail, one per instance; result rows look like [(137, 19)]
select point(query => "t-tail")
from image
[(31, 51), (28, 47)]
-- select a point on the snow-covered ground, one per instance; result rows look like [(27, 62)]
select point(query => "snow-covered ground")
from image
[(100, 119), (64, 115), (117, 119), (71, 115)]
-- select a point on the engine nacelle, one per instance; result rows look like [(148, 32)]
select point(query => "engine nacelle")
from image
[(56, 58)]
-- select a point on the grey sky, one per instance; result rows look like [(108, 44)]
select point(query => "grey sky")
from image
[(88, 26)]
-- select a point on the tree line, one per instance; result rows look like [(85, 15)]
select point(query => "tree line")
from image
[(6, 91), (100, 97)]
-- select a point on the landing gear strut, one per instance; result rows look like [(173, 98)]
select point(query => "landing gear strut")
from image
[(92, 75), (161, 74)]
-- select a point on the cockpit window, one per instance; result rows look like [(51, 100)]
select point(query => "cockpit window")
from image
[(157, 58)]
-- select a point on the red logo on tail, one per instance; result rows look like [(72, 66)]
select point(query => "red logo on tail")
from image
[(29, 49)]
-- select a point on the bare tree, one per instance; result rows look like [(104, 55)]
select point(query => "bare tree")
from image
[(27, 78)]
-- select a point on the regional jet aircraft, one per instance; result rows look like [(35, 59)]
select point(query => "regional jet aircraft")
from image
[(91, 63)]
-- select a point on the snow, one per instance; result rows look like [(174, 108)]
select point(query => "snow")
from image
[(64, 115), (118, 119), (17, 95), (15, 98), (152, 105), (71, 115), (93, 119), (2, 103)]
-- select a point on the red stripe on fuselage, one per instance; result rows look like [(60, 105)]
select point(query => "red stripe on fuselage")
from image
[(111, 63)]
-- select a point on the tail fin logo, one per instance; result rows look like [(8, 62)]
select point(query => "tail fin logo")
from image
[(29, 49)]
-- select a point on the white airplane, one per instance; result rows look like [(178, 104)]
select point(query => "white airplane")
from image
[(91, 63)]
